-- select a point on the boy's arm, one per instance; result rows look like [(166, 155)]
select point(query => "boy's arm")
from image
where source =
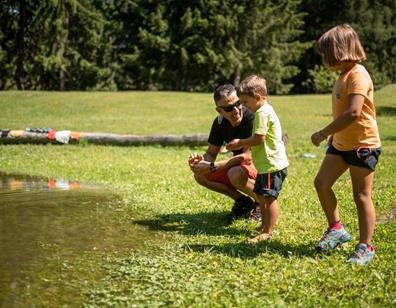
[(237, 144), (232, 161), (344, 120), (227, 163)]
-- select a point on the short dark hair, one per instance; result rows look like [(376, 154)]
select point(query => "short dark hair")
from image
[(223, 91), (340, 43)]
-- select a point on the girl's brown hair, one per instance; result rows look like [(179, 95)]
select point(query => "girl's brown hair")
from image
[(340, 43)]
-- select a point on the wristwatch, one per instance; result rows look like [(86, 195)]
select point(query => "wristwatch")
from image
[(212, 167)]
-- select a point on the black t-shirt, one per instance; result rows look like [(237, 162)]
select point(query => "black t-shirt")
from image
[(223, 132)]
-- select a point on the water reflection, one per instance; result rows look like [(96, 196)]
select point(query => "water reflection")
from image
[(46, 220)]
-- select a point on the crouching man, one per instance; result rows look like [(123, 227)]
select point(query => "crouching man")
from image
[(232, 176)]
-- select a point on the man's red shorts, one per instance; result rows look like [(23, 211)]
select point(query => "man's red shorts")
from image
[(222, 177)]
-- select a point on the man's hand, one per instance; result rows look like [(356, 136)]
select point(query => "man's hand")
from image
[(202, 167), (233, 145), (194, 159)]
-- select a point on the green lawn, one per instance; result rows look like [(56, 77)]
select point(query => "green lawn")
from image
[(202, 260)]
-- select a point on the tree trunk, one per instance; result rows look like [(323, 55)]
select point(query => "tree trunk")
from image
[(63, 37), (20, 70), (237, 76)]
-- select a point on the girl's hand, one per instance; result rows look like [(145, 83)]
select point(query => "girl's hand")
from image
[(317, 138), (233, 145)]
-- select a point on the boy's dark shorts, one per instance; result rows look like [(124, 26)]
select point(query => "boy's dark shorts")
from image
[(362, 157), (270, 184)]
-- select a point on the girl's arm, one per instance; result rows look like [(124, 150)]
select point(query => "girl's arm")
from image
[(348, 117)]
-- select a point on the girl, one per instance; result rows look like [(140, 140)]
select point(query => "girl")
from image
[(354, 141)]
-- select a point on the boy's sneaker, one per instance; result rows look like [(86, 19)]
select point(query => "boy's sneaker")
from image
[(242, 208), (256, 214), (332, 238), (363, 254)]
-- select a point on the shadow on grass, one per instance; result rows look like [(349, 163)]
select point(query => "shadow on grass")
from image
[(219, 224), (389, 138), (212, 223), (386, 111), (245, 250)]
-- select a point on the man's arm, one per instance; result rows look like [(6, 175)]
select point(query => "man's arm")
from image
[(211, 153), (203, 166), (200, 164)]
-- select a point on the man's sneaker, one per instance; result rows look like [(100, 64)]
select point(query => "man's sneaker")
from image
[(332, 238), (363, 254), (242, 208), (256, 214)]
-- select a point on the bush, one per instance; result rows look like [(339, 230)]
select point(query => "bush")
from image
[(321, 79)]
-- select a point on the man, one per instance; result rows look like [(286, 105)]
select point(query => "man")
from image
[(235, 175)]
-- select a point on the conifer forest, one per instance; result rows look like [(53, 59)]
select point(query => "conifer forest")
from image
[(177, 45)]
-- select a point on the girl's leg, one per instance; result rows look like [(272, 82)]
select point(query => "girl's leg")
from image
[(333, 166), (362, 182)]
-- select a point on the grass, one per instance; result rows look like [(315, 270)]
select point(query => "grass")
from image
[(204, 259)]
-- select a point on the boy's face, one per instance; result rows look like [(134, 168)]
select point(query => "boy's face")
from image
[(252, 103), (231, 109)]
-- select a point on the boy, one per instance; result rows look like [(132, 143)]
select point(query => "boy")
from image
[(268, 152)]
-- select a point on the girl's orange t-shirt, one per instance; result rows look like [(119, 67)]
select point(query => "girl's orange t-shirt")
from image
[(362, 133)]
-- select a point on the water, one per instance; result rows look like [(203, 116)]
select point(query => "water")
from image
[(45, 224)]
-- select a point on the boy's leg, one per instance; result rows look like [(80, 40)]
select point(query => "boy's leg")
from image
[(269, 213), (269, 216), (333, 166), (267, 188), (362, 181)]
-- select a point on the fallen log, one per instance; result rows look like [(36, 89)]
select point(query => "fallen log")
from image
[(109, 139), (100, 138)]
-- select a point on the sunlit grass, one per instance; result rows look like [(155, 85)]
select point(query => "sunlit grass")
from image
[(205, 260)]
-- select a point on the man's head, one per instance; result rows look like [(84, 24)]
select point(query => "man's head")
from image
[(252, 92), (227, 104)]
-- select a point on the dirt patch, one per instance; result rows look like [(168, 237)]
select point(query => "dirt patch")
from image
[(387, 217)]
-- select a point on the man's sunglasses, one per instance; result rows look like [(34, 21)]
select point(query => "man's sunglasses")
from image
[(231, 107)]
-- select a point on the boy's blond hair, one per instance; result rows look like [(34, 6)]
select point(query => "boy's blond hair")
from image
[(340, 43), (252, 85)]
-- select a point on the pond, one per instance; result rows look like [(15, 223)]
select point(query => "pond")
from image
[(46, 224)]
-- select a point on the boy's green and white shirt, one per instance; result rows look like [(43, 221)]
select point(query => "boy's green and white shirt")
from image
[(270, 156)]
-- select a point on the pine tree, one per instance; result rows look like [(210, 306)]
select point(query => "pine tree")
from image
[(69, 44), (8, 28), (374, 21)]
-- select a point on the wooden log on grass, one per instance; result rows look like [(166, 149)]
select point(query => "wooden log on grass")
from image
[(109, 139), (115, 139)]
